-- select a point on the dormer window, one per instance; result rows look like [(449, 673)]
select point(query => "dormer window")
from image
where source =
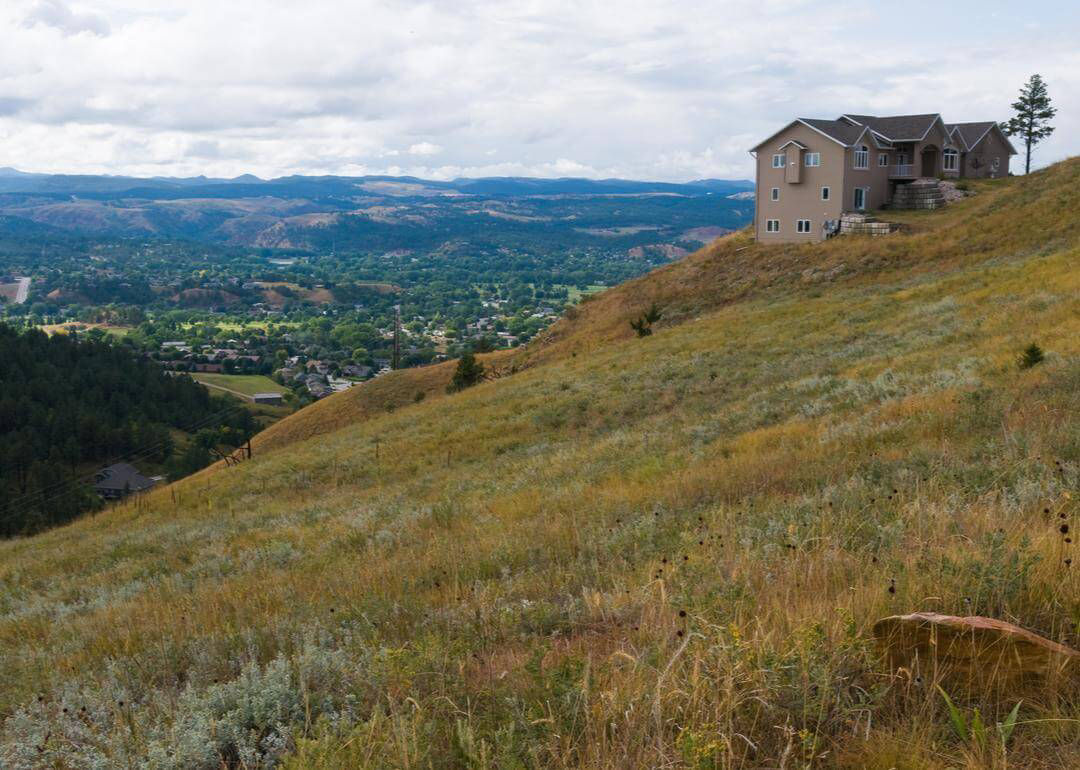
[(779, 160), (862, 157)]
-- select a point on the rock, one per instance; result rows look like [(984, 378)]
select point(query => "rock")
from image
[(975, 654)]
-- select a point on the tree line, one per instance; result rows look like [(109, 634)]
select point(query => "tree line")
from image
[(70, 405)]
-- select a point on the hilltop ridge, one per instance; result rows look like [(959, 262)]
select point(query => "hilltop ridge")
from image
[(621, 551)]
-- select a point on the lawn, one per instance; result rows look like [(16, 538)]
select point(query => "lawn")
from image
[(246, 384)]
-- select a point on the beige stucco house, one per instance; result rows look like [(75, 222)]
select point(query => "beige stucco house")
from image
[(812, 171)]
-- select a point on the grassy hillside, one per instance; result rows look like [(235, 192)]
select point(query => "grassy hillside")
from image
[(622, 552)]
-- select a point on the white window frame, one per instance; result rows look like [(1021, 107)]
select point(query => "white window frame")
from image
[(862, 153), (949, 152), (772, 225), (803, 226), (813, 159), (825, 193), (883, 159), (865, 192), (779, 160), (774, 195)]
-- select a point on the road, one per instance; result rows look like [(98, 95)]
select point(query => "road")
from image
[(24, 289)]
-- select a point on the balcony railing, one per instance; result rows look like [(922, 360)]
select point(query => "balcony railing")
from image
[(902, 170)]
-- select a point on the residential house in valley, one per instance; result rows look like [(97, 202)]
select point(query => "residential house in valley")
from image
[(120, 480), (812, 170)]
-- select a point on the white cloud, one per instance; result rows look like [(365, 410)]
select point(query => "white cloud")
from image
[(59, 15), (659, 89), (425, 148)]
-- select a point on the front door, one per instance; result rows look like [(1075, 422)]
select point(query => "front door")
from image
[(929, 162)]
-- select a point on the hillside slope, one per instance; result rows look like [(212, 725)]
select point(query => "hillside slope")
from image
[(623, 552)]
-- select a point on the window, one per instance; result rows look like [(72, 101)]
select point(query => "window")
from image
[(775, 193), (950, 160), (802, 225), (883, 159), (860, 198), (813, 159), (996, 164), (772, 225), (779, 160), (825, 193), (862, 157)]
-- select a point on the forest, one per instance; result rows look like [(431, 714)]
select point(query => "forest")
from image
[(71, 405)]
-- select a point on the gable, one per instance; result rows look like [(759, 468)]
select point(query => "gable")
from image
[(898, 128), (995, 131), (835, 131)]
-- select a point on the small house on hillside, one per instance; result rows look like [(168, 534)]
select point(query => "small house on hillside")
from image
[(120, 480), (812, 171)]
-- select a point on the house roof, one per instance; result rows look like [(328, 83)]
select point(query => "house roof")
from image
[(897, 128), (122, 476), (800, 145), (837, 130), (973, 133), (849, 129), (841, 133)]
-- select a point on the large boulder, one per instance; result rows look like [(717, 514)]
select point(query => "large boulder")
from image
[(975, 654)]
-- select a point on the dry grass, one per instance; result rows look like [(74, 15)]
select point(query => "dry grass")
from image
[(498, 578)]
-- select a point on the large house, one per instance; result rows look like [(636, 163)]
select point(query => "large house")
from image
[(812, 171)]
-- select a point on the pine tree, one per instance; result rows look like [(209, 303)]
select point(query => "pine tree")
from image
[(1033, 114), (468, 373)]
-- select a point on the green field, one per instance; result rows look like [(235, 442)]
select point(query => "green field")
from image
[(245, 384), (574, 294)]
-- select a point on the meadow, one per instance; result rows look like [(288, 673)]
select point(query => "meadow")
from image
[(246, 384), (620, 552)]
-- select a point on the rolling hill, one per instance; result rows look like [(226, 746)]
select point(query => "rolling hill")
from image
[(373, 212), (666, 551)]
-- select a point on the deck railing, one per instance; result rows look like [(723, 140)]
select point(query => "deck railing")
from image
[(902, 170)]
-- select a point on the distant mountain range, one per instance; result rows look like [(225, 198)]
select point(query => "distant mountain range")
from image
[(247, 185), (379, 212)]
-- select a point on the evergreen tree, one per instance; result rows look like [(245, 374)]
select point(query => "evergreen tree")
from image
[(1033, 114), (69, 405), (469, 372)]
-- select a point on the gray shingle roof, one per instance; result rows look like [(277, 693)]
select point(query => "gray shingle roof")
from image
[(120, 477), (898, 128), (971, 133), (840, 130)]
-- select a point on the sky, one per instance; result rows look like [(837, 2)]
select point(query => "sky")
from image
[(654, 90)]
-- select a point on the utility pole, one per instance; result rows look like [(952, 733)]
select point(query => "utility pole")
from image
[(397, 337)]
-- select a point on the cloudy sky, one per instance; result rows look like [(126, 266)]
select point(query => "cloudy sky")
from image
[(648, 90)]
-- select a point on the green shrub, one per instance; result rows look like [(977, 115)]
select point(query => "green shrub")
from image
[(1031, 356), (643, 324)]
